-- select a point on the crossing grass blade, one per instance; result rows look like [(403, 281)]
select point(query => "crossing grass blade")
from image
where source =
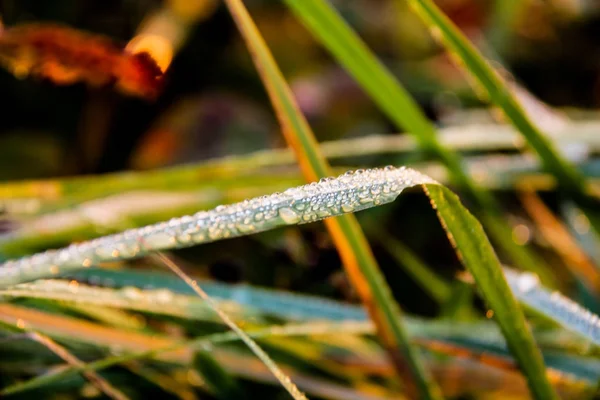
[(357, 257), (345, 45), (464, 231), (469, 58)]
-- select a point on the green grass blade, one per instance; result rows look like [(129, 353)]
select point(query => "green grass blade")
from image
[(429, 281), (348, 193), (477, 255), (359, 262), (223, 385), (211, 173), (326, 24), (470, 59)]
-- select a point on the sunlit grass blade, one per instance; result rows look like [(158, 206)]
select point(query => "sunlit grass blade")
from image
[(561, 240), (352, 246), (332, 197), (172, 297), (248, 341), (57, 228), (143, 346), (477, 255), (554, 305), (480, 334), (167, 295), (499, 93), (211, 173), (102, 384), (327, 25)]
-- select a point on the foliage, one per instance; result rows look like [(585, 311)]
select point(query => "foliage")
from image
[(121, 159)]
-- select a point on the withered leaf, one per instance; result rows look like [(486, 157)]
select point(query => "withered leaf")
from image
[(66, 55)]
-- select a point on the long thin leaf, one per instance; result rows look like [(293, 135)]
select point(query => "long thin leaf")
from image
[(471, 137), (330, 197), (350, 241), (470, 59), (171, 297), (326, 24), (144, 346), (285, 381), (477, 254), (554, 305)]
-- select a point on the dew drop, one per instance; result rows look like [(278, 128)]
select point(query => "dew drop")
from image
[(246, 228), (347, 208), (527, 281), (131, 293), (289, 216), (163, 296), (158, 240)]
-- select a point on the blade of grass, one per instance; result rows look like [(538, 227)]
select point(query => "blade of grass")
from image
[(477, 255), (469, 59), (561, 240), (166, 350), (327, 25), (554, 305), (326, 199), (167, 298), (150, 346), (353, 248), (102, 384), (285, 381), (429, 281), (471, 137)]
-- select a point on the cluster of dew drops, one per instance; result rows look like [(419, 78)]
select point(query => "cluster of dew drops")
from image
[(350, 192)]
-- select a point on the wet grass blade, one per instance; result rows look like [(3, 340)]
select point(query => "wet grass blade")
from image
[(332, 197), (350, 241), (345, 45), (554, 305)]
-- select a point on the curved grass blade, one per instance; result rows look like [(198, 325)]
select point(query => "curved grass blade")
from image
[(350, 192), (57, 228), (477, 255), (469, 58), (330, 197), (358, 260), (327, 25)]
